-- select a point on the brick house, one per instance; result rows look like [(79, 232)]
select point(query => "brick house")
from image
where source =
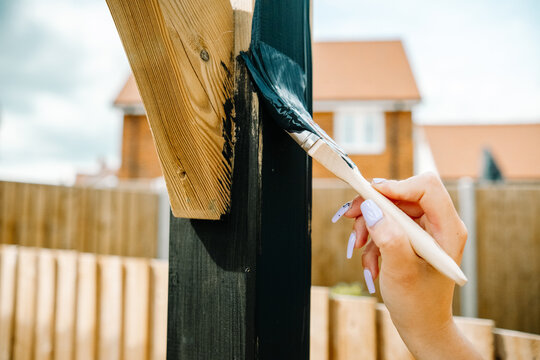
[(363, 95)]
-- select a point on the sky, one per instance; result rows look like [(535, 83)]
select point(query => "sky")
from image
[(62, 63)]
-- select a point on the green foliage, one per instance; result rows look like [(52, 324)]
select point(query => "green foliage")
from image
[(353, 289)]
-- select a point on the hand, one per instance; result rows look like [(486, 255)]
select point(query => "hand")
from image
[(418, 297)]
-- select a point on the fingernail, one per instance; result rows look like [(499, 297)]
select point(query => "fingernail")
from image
[(342, 210), (369, 281), (377, 180), (372, 213), (350, 245)]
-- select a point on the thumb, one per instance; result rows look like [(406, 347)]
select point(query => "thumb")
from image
[(396, 251)]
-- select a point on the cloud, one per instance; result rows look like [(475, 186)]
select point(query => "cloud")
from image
[(61, 66)]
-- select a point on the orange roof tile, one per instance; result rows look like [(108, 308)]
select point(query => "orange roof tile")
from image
[(129, 95), (362, 70), (457, 149)]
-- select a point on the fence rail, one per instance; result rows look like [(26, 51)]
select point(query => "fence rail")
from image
[(104, 221), (62, 304)]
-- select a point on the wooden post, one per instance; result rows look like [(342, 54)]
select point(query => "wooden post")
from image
[(239, 287)]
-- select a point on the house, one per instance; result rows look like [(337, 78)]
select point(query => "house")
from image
[(363, 95), (457, 149)]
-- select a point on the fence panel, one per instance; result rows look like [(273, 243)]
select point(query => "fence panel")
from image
[(509, 256), (105, 221), (64, 304)]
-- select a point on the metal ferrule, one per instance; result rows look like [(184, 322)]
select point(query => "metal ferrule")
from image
[(306, 139)]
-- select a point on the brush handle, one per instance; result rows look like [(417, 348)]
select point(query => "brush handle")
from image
[(423, 244)]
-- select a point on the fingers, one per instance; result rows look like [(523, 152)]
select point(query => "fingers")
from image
[(359, 228), (426, 190), (370, 258), (389, 237)]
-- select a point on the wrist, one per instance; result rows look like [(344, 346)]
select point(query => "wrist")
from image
[(439, 342)]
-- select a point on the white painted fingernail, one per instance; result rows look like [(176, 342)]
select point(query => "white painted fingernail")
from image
[(369, 281), (342, 210), (350, 245), (378, 180), (372, 213)]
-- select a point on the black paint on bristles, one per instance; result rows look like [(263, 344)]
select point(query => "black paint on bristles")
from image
[(282, 84)]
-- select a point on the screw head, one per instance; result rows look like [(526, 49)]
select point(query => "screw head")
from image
[(204, 55)]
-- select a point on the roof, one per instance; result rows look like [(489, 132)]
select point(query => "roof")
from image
[(457, 149), (129, 95), (362, 70)]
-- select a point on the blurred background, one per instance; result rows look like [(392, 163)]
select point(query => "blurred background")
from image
[(405, 87)]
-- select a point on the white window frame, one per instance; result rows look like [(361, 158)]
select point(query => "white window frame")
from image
[(360, 147)]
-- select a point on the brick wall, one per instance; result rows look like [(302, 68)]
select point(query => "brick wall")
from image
[(396, 162), (139, 157)]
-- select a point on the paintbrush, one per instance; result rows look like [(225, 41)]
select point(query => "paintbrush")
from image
[(282, 84)]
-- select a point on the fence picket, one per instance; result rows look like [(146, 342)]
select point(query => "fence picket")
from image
[(110, 292), (25, 309), (66, 285), (46, 288), (159, 273), (8, 271), (86, 307), (319, 323), (136, 308), (352, 328)]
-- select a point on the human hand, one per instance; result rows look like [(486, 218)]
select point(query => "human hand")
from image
[(418, 297)]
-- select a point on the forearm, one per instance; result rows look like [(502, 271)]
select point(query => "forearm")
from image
[(441, 344)]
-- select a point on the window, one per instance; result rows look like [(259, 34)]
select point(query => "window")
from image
[(359, 131)]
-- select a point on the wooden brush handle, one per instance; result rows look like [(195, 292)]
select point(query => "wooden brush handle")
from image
[(422, 243)]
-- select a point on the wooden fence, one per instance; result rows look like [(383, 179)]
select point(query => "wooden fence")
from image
[(61, 304), (104, 221), (508, 249)]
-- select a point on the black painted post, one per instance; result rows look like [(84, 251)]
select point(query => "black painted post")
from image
[(239, 287)]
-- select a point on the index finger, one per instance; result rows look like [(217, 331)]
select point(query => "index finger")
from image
[(427, 190)]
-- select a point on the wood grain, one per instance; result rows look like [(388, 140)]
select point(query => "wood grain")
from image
[(515, 345), (352, 328), (112, 221), (319, 323), (508, 247), (66, 294), (111, 295), (8, 272), (45, 304), (182, 60), (136, 309), (159, 275), (86, 318), (25, 309)]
